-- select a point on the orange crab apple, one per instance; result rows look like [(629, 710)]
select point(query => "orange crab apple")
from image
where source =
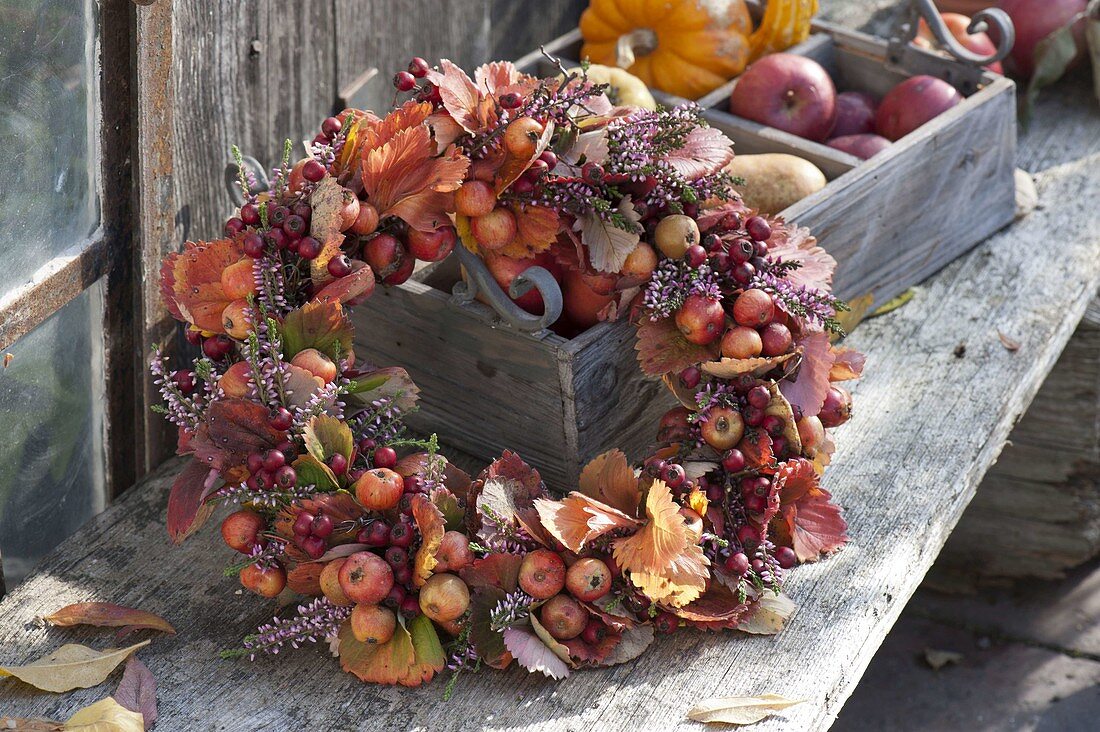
[(236, 382), (494, 230), (365, 577), (264, 581), (542, 574), (349, 212), (521, 137), (372, 624), (701, 319), (741, 342), (315, 363), (238, 280), (640, 263), (330, 583), (563, 617), (588, 579), (475, 198), (454, 552), (241, 530), (379, 489), (723, 428), (235, 319), (366, 222), (444, 597), (811, 433)]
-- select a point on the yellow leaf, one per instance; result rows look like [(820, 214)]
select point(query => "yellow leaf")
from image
[(739, 709), (768, 615), (856, 312), (896, 303), (106, 715), (71, 666), (577, 519), (609, 478)]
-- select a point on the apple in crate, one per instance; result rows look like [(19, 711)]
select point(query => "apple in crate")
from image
[(912, 103), (505, 269), (862, 146), (957, 23), (791, 93), (855, 114)]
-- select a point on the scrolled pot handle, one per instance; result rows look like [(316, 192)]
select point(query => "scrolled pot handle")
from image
[(983, 20), (232, 177), (480, 280)]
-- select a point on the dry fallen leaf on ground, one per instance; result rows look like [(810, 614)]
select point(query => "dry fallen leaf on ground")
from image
[(106, 715), (739, 709), (138, 691), (1008, 343), (71, 666), (937, 659), (104, 614)]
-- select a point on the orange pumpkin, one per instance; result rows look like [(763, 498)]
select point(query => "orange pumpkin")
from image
[(688, 47)]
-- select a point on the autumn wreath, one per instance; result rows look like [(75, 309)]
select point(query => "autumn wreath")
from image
[(407, 566)]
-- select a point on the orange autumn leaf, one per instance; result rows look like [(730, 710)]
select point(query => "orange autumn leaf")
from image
[(728, 368), (410, 658), (662, 557), (536, 229), (105, 614), (515, 165), (380, 131), (191, 282), (405, 178), (578, 519), (609, 478), (355, 121), (432, 526)]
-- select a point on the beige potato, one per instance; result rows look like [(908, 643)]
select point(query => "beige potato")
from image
[(774, 181)]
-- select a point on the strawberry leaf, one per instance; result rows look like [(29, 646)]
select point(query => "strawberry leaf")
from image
[(533, 654), (811, 383), (662, 348)]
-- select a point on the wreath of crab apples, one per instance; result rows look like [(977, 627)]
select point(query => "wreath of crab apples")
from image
[(400, 560)]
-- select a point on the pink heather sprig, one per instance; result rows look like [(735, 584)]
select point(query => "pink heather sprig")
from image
[(267, 273), (265, 499), (380, 421), (325, 400), (512, 610), (672, 282), (180, 410), (712, 394), (317, 620), (799, 300)]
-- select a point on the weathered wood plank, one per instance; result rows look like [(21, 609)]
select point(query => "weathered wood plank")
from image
[(512, 32), (931, 419)]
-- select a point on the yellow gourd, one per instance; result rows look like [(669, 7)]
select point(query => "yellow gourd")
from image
[(688, 47), (623, 87)]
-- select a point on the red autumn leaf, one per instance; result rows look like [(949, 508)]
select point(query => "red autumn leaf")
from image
[(848, 364), (705, 151), (305, 578), (536, 229), (585, 654), (187, 508), (191, 282), (137, 691), (578, 519), (710, 216), (455, 479), (811, 383), (662, 348), (230, 431), (610, 610), (609, 478), (500, 571), (405, 178), (430, 522), (717, 609), (499, 77), (352, 288), (511, 465), (795, 244), (105, 614), (459, 94), (807, 521), (488, 643)]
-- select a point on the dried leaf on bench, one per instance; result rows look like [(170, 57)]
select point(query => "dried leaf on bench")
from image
[(739, 709), (105, 614), (848, 364), (106, 715), (138, 691), (1009, 344), (768, 615), (72, 666)]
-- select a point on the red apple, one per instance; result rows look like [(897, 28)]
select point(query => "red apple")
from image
[(431, 246), (957, 23), (1035, 20), (912, 103), (582, 303), (701, 319), (862, 146), (855, 114), (788, 92)]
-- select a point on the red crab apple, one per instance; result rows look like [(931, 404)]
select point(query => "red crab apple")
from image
[(563, 617), (372, 624), (913, 102), (639, 264), (297, 180), (811, 433), (237, 279), (776, 338), (264, 581), (379, 489), (741, 342), (588, 579), (365, 577), (315, 363), (521, 137), (475, 198), (431, 246), (495, 230), (235, 318), (383, 253), (349, 211), (753, 308), (236, 382), (454, 552), (506, 269), (957, 24), (855, 114), (444, 597), (701, 319), (582, 304), (241, 530), (864, 146), (791, 93), (723, 428), (837, 408), (1035, 20), (542, 574), (366, 222), (330, 583), (674, 425)]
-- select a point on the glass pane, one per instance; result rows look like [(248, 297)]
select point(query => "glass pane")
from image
[(49, 200), (51, 444)]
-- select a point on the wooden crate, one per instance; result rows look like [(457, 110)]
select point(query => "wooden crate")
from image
[(890, 222)]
